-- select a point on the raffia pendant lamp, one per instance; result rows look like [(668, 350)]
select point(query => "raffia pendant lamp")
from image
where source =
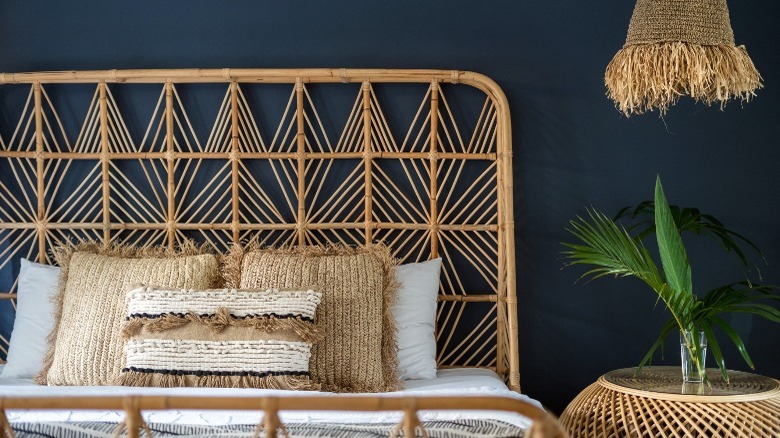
[(676, 48)]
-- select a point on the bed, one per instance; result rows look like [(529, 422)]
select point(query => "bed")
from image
[(294, 181)]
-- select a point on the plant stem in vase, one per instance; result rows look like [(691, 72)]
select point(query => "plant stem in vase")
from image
[(693, 356)]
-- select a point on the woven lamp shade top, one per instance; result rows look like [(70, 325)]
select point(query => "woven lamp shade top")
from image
[(704, 22)]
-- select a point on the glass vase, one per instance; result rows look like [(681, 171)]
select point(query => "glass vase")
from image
[(692, 356)]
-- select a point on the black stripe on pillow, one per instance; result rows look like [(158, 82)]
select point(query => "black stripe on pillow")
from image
[(216, 373), (208, 315)]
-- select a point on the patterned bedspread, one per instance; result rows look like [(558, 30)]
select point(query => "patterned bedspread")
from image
[(440, 429)]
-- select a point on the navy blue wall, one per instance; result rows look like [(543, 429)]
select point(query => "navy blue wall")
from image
[(572, 148)]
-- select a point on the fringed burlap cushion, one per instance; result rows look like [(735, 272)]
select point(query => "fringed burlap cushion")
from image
[(219, 338), (85, 347), (359, 352)]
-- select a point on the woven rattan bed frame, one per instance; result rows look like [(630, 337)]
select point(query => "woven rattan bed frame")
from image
[(418, 218)]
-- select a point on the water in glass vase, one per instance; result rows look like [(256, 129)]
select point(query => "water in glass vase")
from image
[(692, 356)]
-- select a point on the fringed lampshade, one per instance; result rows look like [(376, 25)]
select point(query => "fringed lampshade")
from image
[(676, 48)]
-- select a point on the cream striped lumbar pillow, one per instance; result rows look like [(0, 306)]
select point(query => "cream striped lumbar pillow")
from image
[(219, 338)]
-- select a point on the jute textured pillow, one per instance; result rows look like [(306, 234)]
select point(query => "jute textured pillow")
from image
[(85, 347), (219, 338), (359, 352)]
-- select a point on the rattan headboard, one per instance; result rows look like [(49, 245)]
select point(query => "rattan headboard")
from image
[(242, 182)]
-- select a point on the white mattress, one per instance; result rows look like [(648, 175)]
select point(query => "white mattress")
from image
[(450, 382)]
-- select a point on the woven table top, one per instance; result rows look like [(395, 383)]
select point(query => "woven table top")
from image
[(668, 380)]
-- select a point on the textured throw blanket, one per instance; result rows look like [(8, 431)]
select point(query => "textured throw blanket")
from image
[(440, 429)]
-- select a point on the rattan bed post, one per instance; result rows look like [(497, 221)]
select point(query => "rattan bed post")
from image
[(234, 156), (271, 417), (434, 214), (502, 306), (367, 159), (6, 431), (105, 183), (410, 422), (501, 332), (301, 141), (39, 171), (133, 420), (170, 163), (507, 233)]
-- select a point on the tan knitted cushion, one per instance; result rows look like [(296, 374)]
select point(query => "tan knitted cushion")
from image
[(219, 338), (85, 347), (359, 352)]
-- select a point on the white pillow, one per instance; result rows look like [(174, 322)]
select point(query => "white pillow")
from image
[(34, 310), (415, 318)]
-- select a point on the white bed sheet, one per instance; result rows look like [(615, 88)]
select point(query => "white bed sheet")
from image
[(449, 382)]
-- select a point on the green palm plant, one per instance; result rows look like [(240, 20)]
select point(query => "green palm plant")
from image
[(692, 220), (613, 250)]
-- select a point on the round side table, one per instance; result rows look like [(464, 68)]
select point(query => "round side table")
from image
[(657, 403)]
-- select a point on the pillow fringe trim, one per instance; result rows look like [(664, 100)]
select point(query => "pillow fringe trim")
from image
[(306, 330), (135, 378)]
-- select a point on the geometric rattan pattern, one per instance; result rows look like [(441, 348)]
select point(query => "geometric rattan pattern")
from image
[(438, 186), (614, 407)]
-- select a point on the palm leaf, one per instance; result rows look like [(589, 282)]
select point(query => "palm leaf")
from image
[(689, 219), (611, 250), (668, 327), (712, 342), (732, 334), (761, 310), (714, 227), (739, 296), (673, 256)]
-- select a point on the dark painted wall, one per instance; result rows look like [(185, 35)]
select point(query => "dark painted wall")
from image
[(572, 148)]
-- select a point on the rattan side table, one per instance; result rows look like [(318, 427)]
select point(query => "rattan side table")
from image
[(656, 403)]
